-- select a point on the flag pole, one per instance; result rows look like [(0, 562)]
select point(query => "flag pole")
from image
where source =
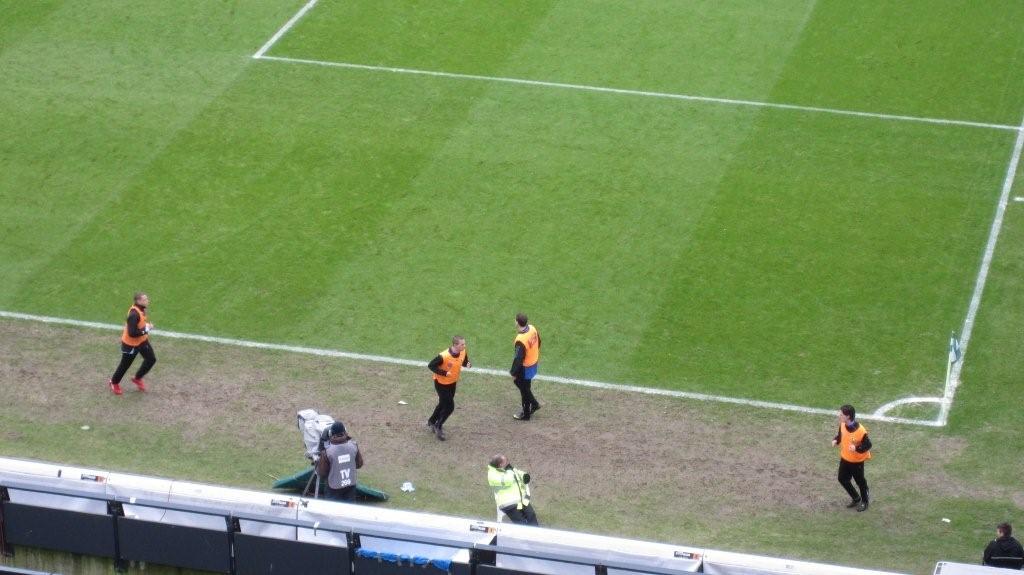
[(949, 366), (954, 355)]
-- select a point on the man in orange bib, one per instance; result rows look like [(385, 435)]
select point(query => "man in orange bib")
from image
[(134, 342), (447, 366), (854, 449), (525, 364)]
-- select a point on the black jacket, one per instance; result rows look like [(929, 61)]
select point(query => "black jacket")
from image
[(1004, 552)]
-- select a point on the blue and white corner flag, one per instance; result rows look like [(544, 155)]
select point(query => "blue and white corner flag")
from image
[(955, 353)]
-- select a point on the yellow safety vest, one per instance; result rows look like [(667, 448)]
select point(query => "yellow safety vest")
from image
[(135, 341), (452, 364), (530, 339), (508, 487), (848, 440)]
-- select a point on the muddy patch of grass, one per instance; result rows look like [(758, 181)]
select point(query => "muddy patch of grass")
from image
[(603, 461)]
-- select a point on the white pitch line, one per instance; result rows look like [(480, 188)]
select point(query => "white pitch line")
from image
[(906, 401), (495, 372), (979, 283), (622, 91), (1018, 199), (284, 29)]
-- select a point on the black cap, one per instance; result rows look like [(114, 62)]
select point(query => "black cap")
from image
[(337, 428)]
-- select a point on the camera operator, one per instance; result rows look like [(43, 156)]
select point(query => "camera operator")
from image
[(338, 461), (511, 492)]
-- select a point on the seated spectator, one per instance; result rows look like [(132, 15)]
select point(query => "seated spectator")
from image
[(1004, 551)]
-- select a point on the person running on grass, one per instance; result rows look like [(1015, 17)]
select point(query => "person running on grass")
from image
[(447, 366), (135, 342), (854, 449)]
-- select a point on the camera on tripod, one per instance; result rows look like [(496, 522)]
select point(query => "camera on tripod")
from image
[(316, 431)]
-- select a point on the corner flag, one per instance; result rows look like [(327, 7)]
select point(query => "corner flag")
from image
[(955, 353)]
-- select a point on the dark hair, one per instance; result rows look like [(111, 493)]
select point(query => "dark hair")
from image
[(496, 460), (1005, 528), (456, 339), (337, 428), (521, 319), (138, 296), (849, 411)]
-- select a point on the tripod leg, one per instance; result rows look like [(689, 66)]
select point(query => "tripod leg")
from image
[(309, 483)]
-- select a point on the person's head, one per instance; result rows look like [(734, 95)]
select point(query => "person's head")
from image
[(1004, 530), (338, 431), (521, 320), (499, 461), (847, 413), (141, 298), (458, 344)]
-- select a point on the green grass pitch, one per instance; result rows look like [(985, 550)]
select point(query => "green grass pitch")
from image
[(773, 254), (785, 255)]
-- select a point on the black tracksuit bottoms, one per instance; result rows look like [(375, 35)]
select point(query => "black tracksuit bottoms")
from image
[(445, 403), (524, 516), (530, 403), (128, 354), (854, 471)]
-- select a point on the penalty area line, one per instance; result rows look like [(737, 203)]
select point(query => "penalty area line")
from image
[(284, 29), (261, 54), (622, 388), (639, 93)]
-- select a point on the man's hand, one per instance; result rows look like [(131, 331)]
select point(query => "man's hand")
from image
[(853, 447), (835, 442), (149, 326), (469, 364)]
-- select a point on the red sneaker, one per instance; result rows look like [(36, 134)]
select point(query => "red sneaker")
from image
[(138, 383), (115, 387)]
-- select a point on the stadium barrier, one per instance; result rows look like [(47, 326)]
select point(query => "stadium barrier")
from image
[(16, 571), (130, 518), (950, 568)]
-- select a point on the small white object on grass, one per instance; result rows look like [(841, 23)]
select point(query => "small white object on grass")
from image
[(945, 520), (407, 487), (400, 402), (84, 428)]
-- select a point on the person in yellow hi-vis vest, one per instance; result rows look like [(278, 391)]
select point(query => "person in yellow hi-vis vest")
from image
[(511, 490), (854, 449), (447, 366), (134, 342), (525, 364)]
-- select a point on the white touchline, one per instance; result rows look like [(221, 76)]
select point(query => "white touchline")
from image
[(979, 283), (623, 91), (495, 372), (284, 29)]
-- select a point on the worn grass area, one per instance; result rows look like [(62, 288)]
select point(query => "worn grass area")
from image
[(642, 467)]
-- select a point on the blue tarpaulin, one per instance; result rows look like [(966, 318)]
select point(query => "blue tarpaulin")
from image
[(442, 564)]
